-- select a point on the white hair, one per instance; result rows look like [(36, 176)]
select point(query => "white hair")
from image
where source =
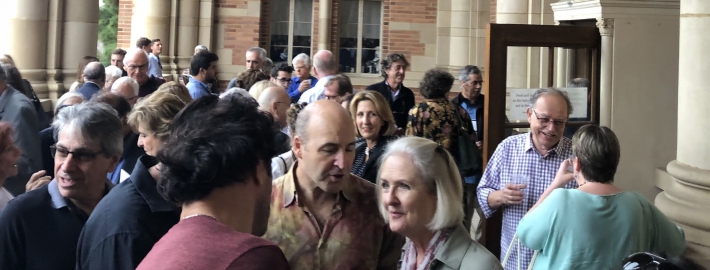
[(125, 80), (438, 172), (130, 55), (64, 98), (303, 58), (260, 51), (236, 91), (113, 73), (201, 48)]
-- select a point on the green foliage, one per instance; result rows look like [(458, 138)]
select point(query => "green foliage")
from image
[(108, 30)]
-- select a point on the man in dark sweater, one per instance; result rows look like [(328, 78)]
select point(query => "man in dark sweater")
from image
[(400, 98), (40, 229), (136, 64)]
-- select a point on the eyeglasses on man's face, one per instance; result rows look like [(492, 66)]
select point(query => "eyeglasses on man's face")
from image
[(83, 156), (139, 67), (545, 121)]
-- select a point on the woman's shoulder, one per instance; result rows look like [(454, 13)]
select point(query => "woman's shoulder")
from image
[(479, 256)]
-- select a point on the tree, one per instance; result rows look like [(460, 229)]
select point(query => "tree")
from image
[(108, 30)]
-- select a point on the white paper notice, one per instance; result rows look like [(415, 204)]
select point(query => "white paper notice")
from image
[(578, 97), (519, 101)]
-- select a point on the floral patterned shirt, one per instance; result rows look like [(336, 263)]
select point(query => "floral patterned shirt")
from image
[(434, 119), (354, 236)]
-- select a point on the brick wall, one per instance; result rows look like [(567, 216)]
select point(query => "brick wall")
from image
[(240, 32), (125, 11), (406, 42)]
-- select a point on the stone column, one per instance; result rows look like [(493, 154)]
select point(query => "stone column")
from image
[(80, 34), (460, 22), (561, 62), (515, 12), (685, 200), (151, 19), (204, 35), (26, 41), (187, 31), (606, 29), (324, 21)]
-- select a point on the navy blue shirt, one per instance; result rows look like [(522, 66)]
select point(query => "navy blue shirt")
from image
[(127, 223), (40, 229)]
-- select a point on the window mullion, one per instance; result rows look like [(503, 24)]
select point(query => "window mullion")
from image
[(291, 18), (358, 54)]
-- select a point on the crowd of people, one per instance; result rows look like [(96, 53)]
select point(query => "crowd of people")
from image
[(290, 167)]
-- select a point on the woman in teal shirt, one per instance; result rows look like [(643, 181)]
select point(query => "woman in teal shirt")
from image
[(597, 225)]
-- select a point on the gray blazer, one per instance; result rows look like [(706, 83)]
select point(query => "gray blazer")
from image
[(461, 252), (18, 110)]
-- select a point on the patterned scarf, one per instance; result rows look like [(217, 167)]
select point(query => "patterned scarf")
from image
[(409, 262)]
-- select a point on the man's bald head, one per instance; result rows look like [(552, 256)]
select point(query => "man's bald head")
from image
[(136, 65), (323, 112), (276, 101), (324, 63), (95, 72)]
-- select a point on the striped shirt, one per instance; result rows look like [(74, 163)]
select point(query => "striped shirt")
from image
[(514, 159)]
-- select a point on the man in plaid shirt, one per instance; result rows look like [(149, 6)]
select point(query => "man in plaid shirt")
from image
[(524, 165)]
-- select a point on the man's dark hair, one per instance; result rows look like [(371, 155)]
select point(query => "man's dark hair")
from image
[(280, 67), (389, 60), (142, 42), (119, 51), (344, 85), (14, 79), (202, 60), (155, 40), (214, 143), (118, 103), (248, 78), (436, 83)]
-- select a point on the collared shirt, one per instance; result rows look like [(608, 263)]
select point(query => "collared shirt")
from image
[(295, 83), (315, 93), (39, 230), (5, 197), (516, 160), (354, 236), (396, 92), (126, 223), (150, 86), (197, 88), (154, 67)]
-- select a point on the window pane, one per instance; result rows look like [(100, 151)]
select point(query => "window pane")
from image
[(370, 36), (280, 10), (279, 54), (279, 33), (348, 59), (370, 61), (302, 34), (348, 12), (303, 11), (299, 50), (372, 12)]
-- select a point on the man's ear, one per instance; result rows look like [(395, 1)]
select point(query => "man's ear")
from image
[(297, 147)]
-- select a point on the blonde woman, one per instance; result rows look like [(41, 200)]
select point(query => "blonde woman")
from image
[(374, 123)]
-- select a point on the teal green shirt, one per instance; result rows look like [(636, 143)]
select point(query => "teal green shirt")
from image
[(577, 230)]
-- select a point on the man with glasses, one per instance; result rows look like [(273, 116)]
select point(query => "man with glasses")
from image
[(276, 102), (524, 165), (40, 229), (126, 87), (338, 87), (136, 64), (281, 75)]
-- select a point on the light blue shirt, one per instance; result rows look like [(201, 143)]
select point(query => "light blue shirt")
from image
[(577, 230), (154, 66), (197, 89)]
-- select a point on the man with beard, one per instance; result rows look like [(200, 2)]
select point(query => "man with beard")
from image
[(400, 98), (203, 70), (322, 216), (215, 165), (524, 165)]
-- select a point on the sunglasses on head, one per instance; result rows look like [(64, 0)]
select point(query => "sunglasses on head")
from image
[(647, 261)]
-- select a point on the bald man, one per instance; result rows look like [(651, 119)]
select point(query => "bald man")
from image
[(136, 64), (324, 66), (276, 101), (320, 213), (94, 80)]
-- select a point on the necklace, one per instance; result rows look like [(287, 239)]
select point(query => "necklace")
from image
[(196, 215), (367, 149)]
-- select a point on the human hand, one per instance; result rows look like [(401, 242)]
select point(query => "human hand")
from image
[(563, 175), (512, 194), (479, 144), (37, 180), (305, 85)]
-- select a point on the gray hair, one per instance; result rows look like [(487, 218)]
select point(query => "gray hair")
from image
[(268, 65), (302, 57), (64, 98), (201, 48), (300, 127), (598, 151), (126, 80), (551, 91), (93, 122), (578, 82), (113, 73), (468, 71), (438, 172), (94, 71), (236, 91), (260, 51)]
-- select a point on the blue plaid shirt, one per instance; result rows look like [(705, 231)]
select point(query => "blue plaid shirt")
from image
[(515, 157)]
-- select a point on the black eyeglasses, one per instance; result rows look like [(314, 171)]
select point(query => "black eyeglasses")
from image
[(546, 121), (80, 155), (646, 261), (285, 80)]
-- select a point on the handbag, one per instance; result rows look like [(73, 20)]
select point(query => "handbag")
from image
[(468, 156), (507, 254)]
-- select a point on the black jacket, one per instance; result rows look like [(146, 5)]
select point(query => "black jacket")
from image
[(372, 165), (400, 106), (479, 113), (131, 152)]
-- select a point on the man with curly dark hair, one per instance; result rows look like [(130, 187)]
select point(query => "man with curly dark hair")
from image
[(400, 98), (214, 165)]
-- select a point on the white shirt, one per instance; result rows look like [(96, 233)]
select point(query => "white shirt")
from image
[(315, 93), (281, 164), (5, 197)]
